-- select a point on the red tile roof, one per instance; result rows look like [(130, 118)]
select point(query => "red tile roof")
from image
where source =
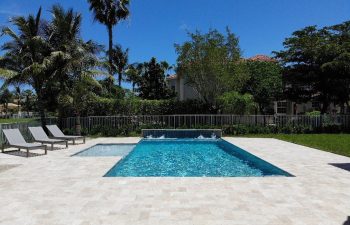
[(262, 58), (172, 77)]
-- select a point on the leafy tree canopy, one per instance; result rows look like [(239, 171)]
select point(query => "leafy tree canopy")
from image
[(152, 84), (317, 64), (265, 83), (211, 63), (236, 103)]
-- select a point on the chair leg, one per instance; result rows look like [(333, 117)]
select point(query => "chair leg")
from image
[(84, 140), (27, 152), (51, 147), (66, 144), (45, 150), (2, 148), (73, 141)]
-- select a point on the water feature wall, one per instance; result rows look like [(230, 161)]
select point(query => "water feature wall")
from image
[(181, 133)]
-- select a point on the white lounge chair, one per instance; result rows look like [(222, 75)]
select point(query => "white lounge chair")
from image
[(39, 135), (58, 134), (16, 140)]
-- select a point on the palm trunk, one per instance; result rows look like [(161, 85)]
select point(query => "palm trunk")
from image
[(18, 107), (110, 47), (6, 107), (120, 79), (41, 108)]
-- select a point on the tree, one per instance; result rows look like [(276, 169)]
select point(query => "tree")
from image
[(18, 95), (109, 13), (76, 70), (236, 103), (28, 57), (108, 91), (211, 64), (28, 101), (47, 55), (317, 65), (80, 96), (5, 98), (265, 83), (64, 37), (120, 60), (133, 75), (152, 84)]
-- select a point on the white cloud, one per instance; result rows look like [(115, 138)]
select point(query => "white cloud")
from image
[(184, 26)]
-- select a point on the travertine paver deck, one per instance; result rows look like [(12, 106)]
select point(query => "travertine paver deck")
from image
[(59, 189)]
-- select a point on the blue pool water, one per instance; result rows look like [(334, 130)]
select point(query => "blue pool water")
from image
[(191, 158), (107, 150)]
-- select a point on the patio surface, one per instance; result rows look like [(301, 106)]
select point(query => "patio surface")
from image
[(64, 190)]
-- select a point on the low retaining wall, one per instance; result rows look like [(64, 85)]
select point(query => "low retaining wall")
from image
[(181, 133)]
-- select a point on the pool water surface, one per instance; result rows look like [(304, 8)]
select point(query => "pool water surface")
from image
[(107, 150), (191, 158)]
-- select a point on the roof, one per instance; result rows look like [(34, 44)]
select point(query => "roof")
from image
[(172, 77), (262, 58)]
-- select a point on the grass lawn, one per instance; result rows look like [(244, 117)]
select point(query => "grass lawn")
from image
[(336, 143), (24, 120)]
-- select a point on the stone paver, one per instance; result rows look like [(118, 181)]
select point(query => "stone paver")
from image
[(64, 190)]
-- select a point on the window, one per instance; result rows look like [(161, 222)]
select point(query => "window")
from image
[(282, 107)]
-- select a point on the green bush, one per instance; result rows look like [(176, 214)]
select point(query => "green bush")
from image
[(135, 106)]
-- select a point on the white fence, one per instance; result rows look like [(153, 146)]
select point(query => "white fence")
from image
[(184, 121), (193, 121)]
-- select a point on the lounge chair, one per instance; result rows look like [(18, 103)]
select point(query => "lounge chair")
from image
[(16, 140), (39, 135), (58, 134)]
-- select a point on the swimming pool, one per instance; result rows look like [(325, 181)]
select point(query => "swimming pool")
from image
[(191, 158), (107, 150)]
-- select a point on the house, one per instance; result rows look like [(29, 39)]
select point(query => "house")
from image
[(181, 88)]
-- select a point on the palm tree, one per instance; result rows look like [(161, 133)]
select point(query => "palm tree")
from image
[(76, 73), (133, 74), (28, 57), (109, 13), (120, 60), (44, 54), (18, 94), (5, 99), (28, 101)]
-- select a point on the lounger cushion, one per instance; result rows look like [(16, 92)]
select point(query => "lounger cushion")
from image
[(57, 133)]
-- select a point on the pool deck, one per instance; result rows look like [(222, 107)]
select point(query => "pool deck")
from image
[(59, 189)]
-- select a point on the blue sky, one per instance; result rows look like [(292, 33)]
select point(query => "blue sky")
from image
[(155, 25)]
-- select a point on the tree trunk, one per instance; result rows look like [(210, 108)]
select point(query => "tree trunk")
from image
[(261, 109), (110, 47), (41, 108), (77, 124), (120, 79), (324, 107), (18, 107), (6, 108)]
